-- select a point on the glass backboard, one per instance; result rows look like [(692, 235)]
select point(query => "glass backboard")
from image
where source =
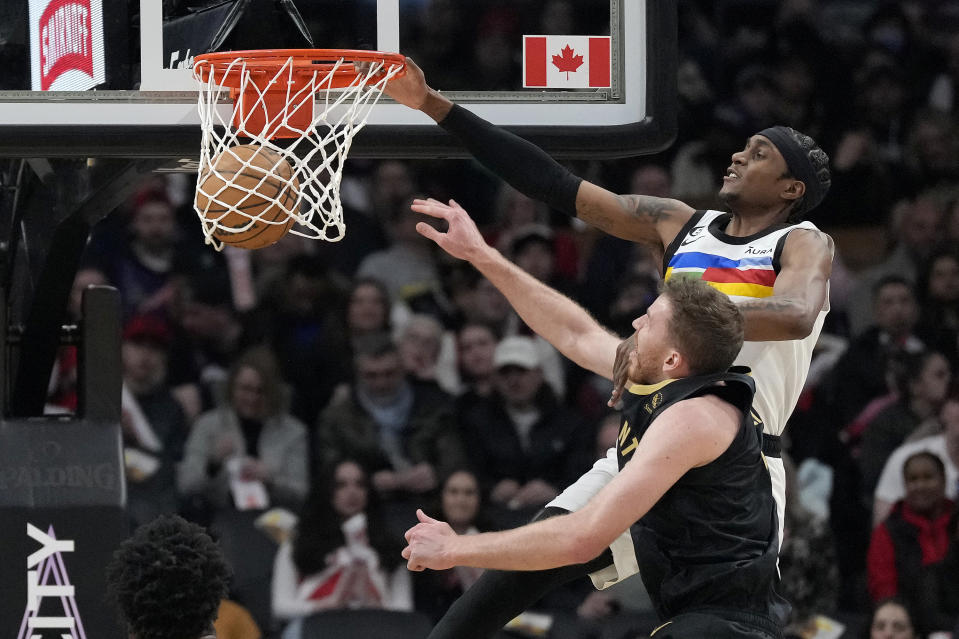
[(112, 78)]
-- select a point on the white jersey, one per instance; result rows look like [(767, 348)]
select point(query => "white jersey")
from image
[(745, 268)]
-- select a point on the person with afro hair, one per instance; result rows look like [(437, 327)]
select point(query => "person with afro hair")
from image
[(168, 580)]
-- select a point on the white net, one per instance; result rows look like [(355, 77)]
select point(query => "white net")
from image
[(300, 179)]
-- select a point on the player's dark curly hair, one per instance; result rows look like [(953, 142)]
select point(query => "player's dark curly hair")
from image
[(168, 580), (820, 164)]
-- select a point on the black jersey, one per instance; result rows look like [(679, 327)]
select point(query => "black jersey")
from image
[(710, 543)]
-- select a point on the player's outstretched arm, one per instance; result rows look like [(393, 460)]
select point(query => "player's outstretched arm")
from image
[(558, 319), (800, 293), (686, 435), (638, 218)]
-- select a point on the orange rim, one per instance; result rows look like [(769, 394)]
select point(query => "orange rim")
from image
[(305, 63)]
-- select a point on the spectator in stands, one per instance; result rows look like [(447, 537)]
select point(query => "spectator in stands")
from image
[(299, 321), (532, 248), (917, 226), (247, 455), (421, 343), (459, 505), (891, 487), (938, 290), (475, 344), (944, 92), (392, 186), (514, 214), (400, 429), (861, 373), (939, 599), (891, 619), (484, 304), (154, 426), (143, 267), (800, 99), (922, 382), (250, 438), (753, 106), (207, 339), (932, 155), (368, 308), (914, 535), (340, 554), (407, 268), (523, 442)]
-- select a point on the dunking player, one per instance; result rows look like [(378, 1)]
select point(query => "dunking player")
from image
[(692, 489), (168, 580), (774, 266)]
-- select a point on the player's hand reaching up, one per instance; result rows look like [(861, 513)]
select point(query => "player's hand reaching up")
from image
[(621, 369), (430, 543), (462, 239), (410, 88)]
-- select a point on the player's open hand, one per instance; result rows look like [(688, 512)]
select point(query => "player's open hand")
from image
[(409, 89), (430, 542), (621, 369), (462, 239)]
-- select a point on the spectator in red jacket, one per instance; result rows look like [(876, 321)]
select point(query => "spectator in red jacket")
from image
[(914, 535)]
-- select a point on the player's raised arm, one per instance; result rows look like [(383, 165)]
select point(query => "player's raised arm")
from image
[(558, 319), (650, 220), (800, 293)]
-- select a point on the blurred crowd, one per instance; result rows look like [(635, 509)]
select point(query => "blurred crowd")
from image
[(304, 399)]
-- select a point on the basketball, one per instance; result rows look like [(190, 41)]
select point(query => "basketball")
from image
[(248, 183)]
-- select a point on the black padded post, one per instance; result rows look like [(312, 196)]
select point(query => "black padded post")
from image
[(100, 375), (62, 498)]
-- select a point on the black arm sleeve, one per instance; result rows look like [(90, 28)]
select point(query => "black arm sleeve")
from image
[(523, 165)]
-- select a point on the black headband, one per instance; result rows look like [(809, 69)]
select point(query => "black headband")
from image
[(797, 161)]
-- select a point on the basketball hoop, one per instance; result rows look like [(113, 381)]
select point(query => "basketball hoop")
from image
[(315, 100)]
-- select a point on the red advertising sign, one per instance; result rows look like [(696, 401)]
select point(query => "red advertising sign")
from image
[(66, 40), (66, 44)]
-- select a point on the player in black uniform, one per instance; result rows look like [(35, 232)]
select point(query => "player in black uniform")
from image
[(693, 488), (168, 580)]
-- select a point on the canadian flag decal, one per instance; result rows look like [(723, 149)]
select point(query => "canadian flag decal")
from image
[(566, 62)]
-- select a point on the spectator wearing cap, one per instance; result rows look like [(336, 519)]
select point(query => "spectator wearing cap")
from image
[(523, 443), (153, 424)]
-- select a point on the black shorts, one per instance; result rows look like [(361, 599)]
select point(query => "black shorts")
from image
[(697, 625)]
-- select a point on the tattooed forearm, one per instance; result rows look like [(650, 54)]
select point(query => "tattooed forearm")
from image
[(635, 217), (654, 209), (772, 305), (776, 318)]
